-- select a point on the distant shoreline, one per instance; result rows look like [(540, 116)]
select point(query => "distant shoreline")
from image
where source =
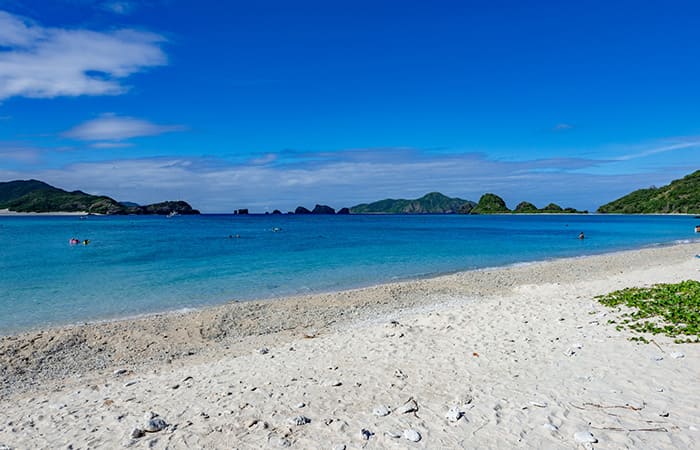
[(7, 212)]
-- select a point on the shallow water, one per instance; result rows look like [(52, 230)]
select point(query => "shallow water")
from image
[(135, 265)]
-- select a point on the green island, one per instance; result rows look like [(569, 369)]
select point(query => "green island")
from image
[(437, 203), (432, 203), (679, 197), (34, 196), (669, 309)]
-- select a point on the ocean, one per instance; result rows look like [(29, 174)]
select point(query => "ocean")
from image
[(138, 265)]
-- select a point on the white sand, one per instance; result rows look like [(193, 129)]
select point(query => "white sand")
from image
[(7, 212), (528, 366)]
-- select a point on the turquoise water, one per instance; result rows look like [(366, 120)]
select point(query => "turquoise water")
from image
[(136, 265)]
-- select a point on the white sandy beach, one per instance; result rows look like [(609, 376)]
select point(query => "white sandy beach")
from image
[(7, 212), (520, 357)]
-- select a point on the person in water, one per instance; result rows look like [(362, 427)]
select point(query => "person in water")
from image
[(86, 241), (74, 241), (581, 236)]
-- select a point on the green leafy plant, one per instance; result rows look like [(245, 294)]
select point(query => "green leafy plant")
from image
[(669, 309)]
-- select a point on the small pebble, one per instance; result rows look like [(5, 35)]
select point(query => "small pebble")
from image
[(334, 383), (120, 372), (392, 435), (366, 434), (301, 405), (137, 433), (339, 447), (264, 350), (664, 414), (550, 427), (412, 435), (677, 355), (408, 407), (130, 383), (154, 423), (381, 411), (539, 404), (299, 420), (280, 442), (585, 437), (454, 414)]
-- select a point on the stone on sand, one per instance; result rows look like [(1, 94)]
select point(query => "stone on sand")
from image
[(585, 437), (153, 422), (412, 435), (299, 420), (381, 411)]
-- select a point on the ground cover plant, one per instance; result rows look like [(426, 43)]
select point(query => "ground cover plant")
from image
[(669, 309)]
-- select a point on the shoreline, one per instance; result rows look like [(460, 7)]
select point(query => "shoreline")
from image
[(522, 352), (8, 213), (342, 299), (40, 329)]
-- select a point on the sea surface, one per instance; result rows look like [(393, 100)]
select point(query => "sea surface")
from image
[(137, 265)]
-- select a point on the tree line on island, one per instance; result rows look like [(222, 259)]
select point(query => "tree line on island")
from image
[(679, 197), (33, 196), (434, 203)]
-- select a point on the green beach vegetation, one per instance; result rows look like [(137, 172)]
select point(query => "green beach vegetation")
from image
[(669, 309), (679, 197)]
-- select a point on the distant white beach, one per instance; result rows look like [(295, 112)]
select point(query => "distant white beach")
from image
[(7, 212)]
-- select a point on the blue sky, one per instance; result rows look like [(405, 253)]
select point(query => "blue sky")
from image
[(273, 104)]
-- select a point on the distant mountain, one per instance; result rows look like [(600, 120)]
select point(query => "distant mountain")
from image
[(490, 204), (37, 196), (493, 204), (525, 208), (432, 203), (680, 197)]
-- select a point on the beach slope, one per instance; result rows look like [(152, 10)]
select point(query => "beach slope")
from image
[(514, 357)]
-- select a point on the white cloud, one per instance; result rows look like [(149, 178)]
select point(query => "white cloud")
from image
[(18, 153), (42, 62), (109, 127), (668, 147), (264, 159), (111, 144), (562, 127), (342, 179), (289, 178), (118, 7)]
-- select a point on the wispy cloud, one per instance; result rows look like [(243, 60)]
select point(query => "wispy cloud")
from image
[(111, 144), (562, 127), (662, 148), (264, 159), (18, 153), (340, 179), (289, 178), (118, 7), (44, 62), (113, 129)]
